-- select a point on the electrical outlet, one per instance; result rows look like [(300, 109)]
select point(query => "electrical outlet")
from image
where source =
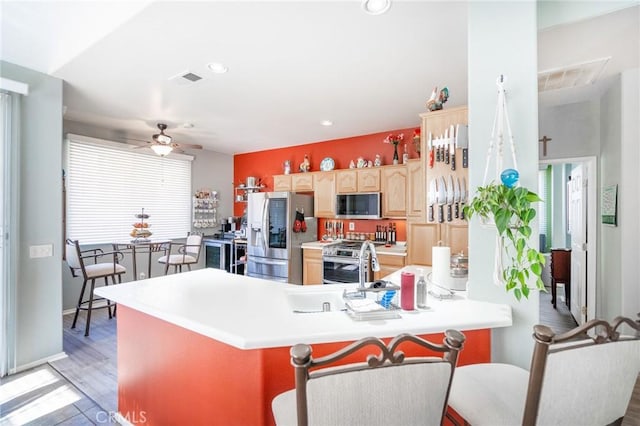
[(45, 250), (352, 226)]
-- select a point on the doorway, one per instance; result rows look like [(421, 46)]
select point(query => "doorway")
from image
[(571, 209)]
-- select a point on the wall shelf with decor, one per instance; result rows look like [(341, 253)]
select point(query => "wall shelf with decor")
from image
[(205, 209), (242, 192)]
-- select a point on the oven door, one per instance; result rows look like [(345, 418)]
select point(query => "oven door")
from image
[(339, 270)]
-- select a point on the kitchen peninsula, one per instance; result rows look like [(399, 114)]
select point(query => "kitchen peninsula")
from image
[(210, 347)]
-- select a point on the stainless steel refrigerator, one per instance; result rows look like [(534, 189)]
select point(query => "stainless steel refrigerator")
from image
[(273, 248)]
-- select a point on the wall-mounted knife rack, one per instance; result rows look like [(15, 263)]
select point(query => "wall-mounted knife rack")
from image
[(446, 159)]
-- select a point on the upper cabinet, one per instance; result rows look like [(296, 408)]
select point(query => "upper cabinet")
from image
[(282, 183), (357, 180), (394, 194), (302, 182), (415, 190), (324, 194)]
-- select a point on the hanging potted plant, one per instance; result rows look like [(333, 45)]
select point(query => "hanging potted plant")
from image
[(508, 207)]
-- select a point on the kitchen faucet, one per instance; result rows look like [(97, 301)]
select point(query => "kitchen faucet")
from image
[(375, 265), (360, 293)]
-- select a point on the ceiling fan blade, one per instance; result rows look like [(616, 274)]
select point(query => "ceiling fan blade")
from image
[(187, 145)]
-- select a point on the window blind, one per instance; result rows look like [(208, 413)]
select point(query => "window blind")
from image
[(108, 186)]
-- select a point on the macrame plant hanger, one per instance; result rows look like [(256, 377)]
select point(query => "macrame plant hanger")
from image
[(500, 124)]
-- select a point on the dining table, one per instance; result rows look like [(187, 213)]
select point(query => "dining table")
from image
[(141, 247)]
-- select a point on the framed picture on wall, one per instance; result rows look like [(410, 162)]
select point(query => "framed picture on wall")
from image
[(610, 205)]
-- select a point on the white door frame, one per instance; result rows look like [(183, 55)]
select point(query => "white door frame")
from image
[(591, 163)]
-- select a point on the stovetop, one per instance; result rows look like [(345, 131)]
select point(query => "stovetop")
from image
[(345, 249)]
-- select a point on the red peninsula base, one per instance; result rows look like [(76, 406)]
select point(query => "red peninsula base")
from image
[(170, 375)]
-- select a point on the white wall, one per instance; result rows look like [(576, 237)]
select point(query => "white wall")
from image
[(558, 12), (609, 285), (574, 128), (39, 286), (503, 40), (629, 194)]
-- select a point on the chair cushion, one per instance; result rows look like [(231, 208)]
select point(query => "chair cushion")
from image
[(284, 408), (178, 259), (104, 269), (602, 375), (372, 396), (489, 394)]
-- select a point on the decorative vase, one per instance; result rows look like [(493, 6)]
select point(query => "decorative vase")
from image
[(395, 153)]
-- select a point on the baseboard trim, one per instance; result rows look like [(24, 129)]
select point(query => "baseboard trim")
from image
[(69, 311), (39, 362)]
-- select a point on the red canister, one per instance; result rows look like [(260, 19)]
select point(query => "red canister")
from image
[(407, 291)]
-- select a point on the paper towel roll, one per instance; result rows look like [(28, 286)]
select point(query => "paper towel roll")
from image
[(440, 265)]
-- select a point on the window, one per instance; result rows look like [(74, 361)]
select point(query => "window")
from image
[(109, 183), (544, 208)]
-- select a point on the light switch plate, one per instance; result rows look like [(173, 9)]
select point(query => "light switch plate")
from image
[(352, 226), (44, 250)]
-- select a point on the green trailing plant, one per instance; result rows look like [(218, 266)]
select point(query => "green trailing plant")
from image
[(510, 209)]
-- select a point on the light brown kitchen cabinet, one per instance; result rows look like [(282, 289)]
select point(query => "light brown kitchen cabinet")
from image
[(389, 264), (311, 267), (357, 180), (422, 235), (369, 180), (394, 193), (415, 190), (456, 236), (421, 238), (302, 182), (282, 182), (324, 195)]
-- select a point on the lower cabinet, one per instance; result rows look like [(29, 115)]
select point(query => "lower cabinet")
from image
[(311, 266), (421, 237), (389, 264)]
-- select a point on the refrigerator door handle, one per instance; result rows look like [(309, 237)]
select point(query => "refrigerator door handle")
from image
[(265, 229), (266, 261)]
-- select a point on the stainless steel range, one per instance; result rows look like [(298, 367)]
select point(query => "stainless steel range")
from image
[(341, 263)]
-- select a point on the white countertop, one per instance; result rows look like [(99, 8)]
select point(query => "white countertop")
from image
[(251, 313)]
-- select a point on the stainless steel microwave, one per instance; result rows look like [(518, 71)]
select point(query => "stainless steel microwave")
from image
[(364, 205)]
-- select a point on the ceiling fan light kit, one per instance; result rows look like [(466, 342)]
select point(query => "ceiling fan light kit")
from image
[(162, 150)]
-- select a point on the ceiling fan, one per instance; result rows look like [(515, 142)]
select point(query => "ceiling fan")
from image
[(163, 144)]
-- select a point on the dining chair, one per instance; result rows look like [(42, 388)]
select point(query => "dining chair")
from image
[(187, 254), (86, 263), (583, 377), (388, 388)]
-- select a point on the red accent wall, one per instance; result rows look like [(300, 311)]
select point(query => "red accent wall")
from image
[(264, 164)]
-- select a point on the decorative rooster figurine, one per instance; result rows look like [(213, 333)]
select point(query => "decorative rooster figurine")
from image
[(436, 100)]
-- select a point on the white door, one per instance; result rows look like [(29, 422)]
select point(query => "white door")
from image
[(577, 212)]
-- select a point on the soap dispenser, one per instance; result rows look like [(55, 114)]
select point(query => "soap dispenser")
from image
[(421, 291)]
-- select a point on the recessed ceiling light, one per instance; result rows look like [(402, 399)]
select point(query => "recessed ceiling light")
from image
[(376, 7), (326, 123), (217, 67)]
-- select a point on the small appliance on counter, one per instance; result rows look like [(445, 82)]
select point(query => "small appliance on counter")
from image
[(459, 271)]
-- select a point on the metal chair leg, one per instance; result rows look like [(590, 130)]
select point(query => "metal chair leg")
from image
[(166, 268), (75, 317), (90, 308), (106, 283), (189, 266)]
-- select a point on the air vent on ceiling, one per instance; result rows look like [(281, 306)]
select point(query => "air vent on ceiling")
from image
[(184, 78), (571, 76)]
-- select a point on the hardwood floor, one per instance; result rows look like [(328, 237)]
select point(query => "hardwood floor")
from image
[(91, 365)]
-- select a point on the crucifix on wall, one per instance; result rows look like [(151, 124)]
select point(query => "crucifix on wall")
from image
[(544, 141)]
